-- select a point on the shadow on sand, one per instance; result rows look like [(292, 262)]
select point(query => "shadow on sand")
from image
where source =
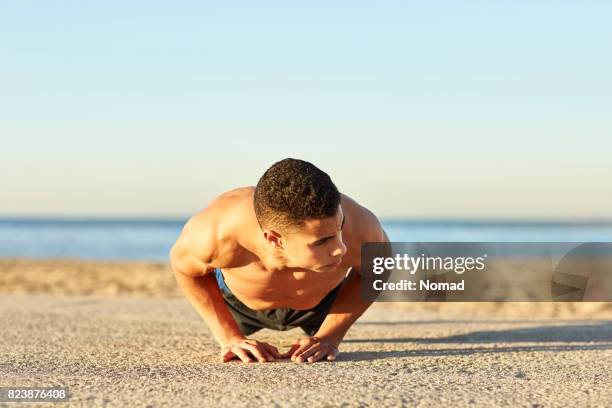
[(598, 335)]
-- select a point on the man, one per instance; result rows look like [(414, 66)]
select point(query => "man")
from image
[(284, 254)]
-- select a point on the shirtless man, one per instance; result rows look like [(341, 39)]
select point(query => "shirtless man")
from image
[(280, 255)]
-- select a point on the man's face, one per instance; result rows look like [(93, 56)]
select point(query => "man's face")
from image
[(317, 245)]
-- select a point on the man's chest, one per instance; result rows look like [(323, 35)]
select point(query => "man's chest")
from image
[(259, 288)]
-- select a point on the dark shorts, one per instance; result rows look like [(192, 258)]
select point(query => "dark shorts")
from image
[(250, 320)]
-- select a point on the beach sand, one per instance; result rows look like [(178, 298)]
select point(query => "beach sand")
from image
[(155, 279), (121, 334)]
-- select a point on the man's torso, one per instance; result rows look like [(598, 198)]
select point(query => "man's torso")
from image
[(248, 276)]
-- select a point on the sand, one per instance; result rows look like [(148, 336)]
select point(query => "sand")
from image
[(76, 277), (119, 334), (142, 279)]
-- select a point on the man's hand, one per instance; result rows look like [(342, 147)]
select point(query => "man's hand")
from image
[(312, 349), (249, 350)]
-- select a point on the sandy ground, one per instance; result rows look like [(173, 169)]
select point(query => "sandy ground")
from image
[(118, 351), (155, 280), (76, 277), (116, 341)]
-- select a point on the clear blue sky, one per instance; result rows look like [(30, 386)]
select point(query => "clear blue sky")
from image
[(418, 109)]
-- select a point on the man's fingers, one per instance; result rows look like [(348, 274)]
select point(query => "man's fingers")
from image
[(250, 350), (227, 356), (333, 355), (290, 352), (298, 354), (308, 352), (272, 350), (266, 353), (255, 351), (316, 356), (242, 354)]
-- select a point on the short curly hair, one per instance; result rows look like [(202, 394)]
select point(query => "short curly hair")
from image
[(292, 191)]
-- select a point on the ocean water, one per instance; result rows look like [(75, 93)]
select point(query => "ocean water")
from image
[(151, 239)]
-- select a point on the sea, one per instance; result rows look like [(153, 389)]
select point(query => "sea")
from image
[(151, 239)]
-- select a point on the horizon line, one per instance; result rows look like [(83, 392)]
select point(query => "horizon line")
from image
[(389, 220)]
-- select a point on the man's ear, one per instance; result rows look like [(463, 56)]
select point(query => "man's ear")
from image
[(273, 238)]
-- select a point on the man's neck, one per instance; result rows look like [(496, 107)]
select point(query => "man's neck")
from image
[(272, 259)]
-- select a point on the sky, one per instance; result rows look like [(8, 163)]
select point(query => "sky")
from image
[(416, 109)]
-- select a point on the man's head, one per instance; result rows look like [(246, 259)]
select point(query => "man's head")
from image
[(298, 208)]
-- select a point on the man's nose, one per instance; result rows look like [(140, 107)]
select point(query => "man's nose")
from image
[(340, 250)]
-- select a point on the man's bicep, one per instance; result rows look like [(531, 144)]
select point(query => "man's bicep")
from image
[(185, 262), (191, 258)]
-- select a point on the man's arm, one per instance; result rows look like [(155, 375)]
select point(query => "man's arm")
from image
[(202, 291), (346, 309), (193, 275)]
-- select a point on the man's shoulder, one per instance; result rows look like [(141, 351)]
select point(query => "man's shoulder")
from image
[(364, 224), (214, 230)]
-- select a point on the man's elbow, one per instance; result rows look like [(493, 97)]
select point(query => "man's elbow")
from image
[(177, 264), (173, 260), (188, 266)]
